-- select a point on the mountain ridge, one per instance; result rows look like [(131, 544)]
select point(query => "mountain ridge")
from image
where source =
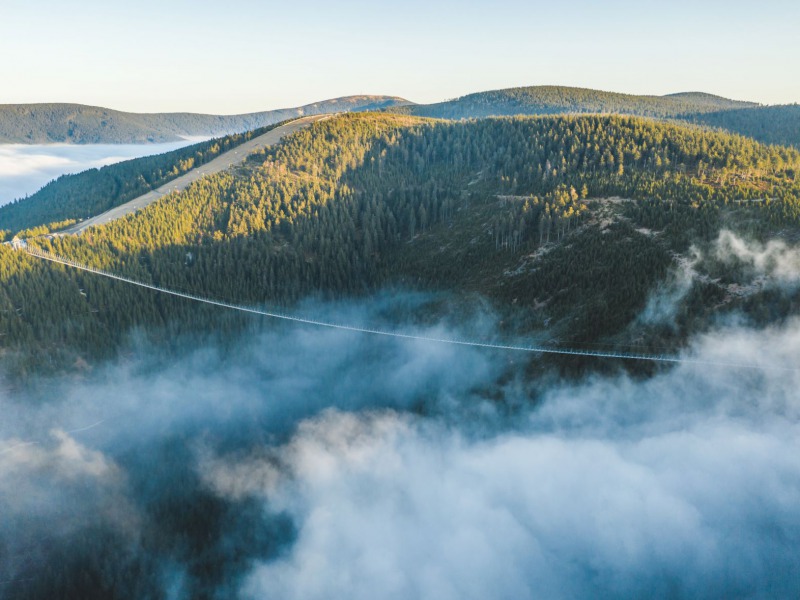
[(550, 99), (86, 124), (770, 124)]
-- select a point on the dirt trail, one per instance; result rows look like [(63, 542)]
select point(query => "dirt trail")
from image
[(220, 163)]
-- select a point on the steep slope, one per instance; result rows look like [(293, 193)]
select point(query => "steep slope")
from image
[(223, 162), (71, 198), (549, 100), (79, 124), (520, 213)]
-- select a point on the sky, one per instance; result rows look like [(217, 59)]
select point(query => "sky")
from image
[(252, 55)]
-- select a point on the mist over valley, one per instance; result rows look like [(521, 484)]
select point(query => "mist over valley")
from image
[(480, 340)]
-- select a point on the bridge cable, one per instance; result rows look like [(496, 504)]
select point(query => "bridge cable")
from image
[(48, 256)]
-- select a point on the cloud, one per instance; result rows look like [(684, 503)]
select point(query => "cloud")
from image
[(85, 479), (756, 266), (664, 301), (774, 259), (402, 510), (50, 491), (687, 484)]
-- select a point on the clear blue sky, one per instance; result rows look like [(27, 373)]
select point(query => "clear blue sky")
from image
[(248, 55)]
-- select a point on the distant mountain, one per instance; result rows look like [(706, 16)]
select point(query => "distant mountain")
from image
[(550, 100), (768, 124), (80, 124)]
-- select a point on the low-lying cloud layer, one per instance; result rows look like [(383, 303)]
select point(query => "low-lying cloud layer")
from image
[(24, 169), (324, 464), (135, 431), (687, 485)]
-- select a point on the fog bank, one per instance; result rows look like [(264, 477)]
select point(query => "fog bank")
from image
[(312, 463)]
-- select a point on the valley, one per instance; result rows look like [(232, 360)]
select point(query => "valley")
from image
[(423, 301)]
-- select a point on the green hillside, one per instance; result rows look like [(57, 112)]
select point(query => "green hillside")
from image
[(73, 197), (564, 225), (79, 124)]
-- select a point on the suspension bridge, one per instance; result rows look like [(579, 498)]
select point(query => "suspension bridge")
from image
[(538, 349)]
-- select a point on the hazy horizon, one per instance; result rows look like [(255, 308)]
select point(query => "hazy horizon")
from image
[(378, 93), (212, 60)]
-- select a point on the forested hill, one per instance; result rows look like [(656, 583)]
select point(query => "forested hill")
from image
[(565, 226), (768, 124), (549, 100), (79, 124)]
